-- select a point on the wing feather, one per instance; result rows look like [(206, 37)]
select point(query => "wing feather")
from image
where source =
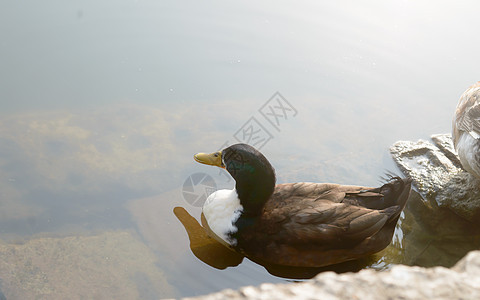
[(332, 222), (315, 213), (467, 114)]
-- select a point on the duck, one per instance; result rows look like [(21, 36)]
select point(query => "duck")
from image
[(301, 224), (466, 130)]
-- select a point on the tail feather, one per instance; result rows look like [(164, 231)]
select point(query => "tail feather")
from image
[(393, 194), (396, 193)]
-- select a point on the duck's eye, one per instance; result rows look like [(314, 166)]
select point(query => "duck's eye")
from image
[(216, 154)]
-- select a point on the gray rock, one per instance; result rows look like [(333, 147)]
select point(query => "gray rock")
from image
[(445, 144), (437, 174), (434, 236), (400, 282)]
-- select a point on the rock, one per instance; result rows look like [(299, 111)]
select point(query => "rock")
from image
[(445, 144), (437, 174), (441, 220), (400, 282), (434, 236)]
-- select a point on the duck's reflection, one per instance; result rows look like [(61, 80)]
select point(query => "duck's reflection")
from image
[(204, 247), (218, 256)]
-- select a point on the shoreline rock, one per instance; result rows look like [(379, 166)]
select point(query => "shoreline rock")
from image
[(438, 175), (400, 282)]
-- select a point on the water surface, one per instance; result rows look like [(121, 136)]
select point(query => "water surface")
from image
[(104, 104)]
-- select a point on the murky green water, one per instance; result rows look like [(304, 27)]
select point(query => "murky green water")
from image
[(103, 105)]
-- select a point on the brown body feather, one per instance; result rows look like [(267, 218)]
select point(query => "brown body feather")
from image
[(319, 224)]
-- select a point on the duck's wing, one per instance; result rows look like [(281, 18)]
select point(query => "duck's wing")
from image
[(291, 193), (467, 114), (328, 222), (318, 212)]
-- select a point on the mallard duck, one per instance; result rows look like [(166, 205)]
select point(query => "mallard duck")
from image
[(466, 130), (300, 224)]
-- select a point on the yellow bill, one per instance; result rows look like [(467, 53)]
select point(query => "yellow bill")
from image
[(212, 159)]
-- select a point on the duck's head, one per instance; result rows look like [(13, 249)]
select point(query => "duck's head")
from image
[(254, 175)]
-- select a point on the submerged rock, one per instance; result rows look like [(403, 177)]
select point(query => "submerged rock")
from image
[(111, 265), (433, 236), (437, 174), (400, 282)]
